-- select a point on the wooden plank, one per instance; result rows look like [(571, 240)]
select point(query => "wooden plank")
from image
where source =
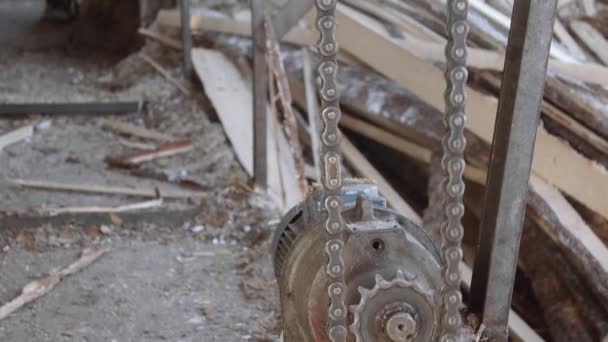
[(170, 18), (164, 150), (504, 23), (39, 287), (555, 161), (431, 51), (592, 39), (97, 209), (168, 41), (231, 97), (164, 73), (566, 38), (136, 131), (577, 241), (103, 189), (16, 136)]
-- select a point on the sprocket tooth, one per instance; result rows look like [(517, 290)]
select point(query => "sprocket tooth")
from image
[(379, 279), (362, 291)]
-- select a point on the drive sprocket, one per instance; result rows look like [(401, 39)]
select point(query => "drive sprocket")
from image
[(398, 310)]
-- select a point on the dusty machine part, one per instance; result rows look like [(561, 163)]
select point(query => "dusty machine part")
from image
[(393, 271)]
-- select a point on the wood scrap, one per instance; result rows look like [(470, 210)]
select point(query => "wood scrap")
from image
[(103, 189), (232, 99), (164, 150), (40, 287), (592, 39), (168, 41), (16, 136), (97, 209), (164, 73), (566, 38), (279, 77), (136, 131), (220, 23)]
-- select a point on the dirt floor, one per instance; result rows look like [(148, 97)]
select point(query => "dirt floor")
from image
[(189, 270)]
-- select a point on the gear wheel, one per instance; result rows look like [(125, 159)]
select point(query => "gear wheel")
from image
[(399, 310)]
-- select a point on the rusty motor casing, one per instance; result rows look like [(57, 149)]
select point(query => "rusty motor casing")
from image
[(392, 271)]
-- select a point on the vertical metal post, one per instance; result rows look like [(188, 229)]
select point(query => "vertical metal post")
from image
[(260, 89), (186, 36), (512, 150)]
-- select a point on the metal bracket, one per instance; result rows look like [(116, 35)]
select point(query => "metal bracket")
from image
[(283, 19)]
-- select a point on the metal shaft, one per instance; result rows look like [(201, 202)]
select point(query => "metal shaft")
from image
[(186, 36), (512, 150)]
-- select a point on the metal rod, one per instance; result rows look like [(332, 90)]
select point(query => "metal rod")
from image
[(72, 108), (186, 35), (512, 150), (289, 15), (260, 90)]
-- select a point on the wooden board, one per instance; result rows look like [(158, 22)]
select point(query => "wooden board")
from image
[(432, 50), (555, 161), (592, 39), (232, 99), (16, 136)]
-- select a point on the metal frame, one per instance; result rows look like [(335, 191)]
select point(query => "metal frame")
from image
[(512, 150), (283, 19)]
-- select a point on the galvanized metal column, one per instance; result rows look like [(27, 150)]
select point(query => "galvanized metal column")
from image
[(186, 36), (260, 90), (512, 150)]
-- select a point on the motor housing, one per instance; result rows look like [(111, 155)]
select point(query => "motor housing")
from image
[(392, 270)]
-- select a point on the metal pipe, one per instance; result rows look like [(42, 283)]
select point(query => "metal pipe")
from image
[(512, 150), (260, 90), (186, 35)]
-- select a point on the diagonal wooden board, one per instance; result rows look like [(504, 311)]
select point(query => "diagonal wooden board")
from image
[(555, 161), (232, 99)]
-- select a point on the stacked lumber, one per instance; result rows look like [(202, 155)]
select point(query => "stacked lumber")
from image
[(392, 85)]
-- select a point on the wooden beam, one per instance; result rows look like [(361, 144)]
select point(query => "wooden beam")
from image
[(104, 189), (432, 51), (136, 131)]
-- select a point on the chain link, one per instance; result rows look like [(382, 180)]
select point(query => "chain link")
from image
[(331, 160), (453, 166)]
